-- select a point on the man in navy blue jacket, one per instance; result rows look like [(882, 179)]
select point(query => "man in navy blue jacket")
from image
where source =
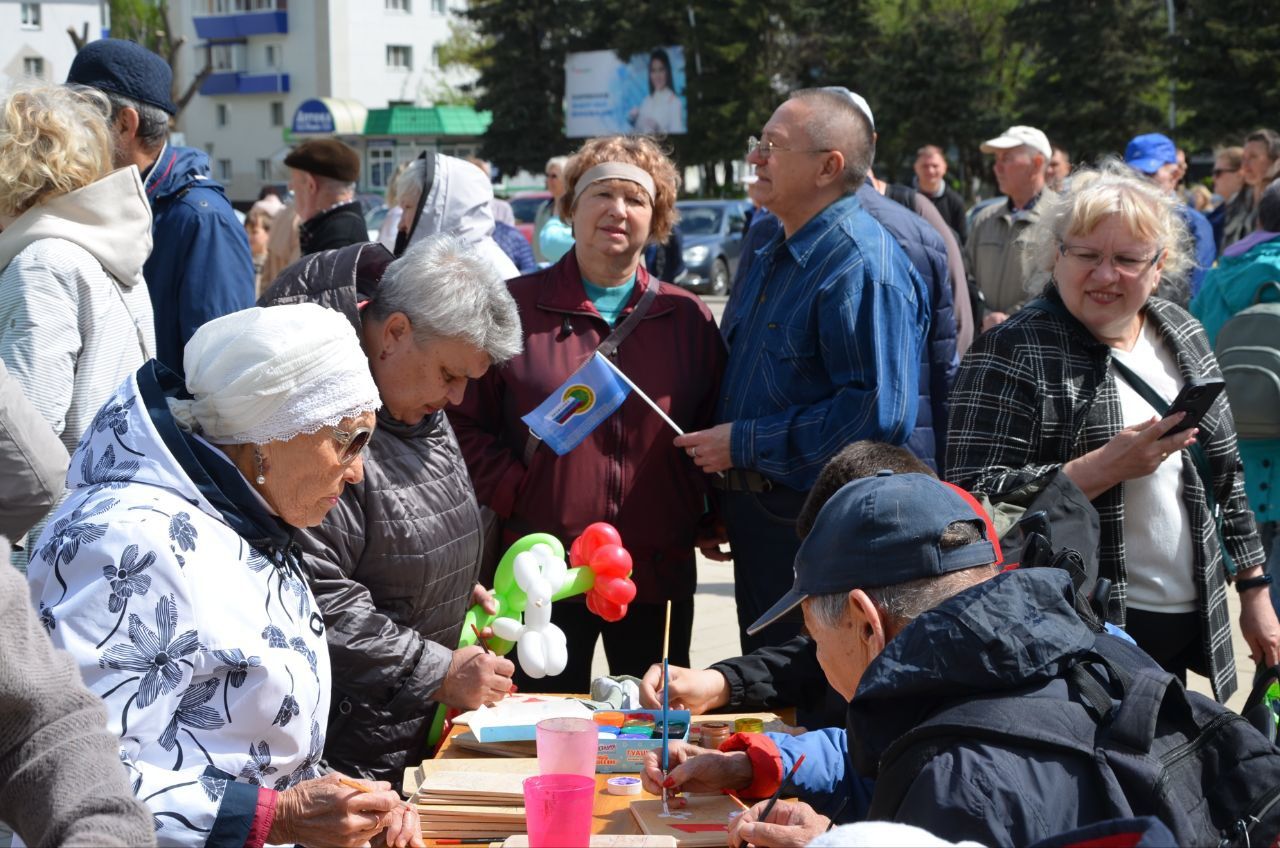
[(200, 267)]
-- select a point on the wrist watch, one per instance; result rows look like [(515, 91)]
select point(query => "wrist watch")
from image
[(1248, 583)]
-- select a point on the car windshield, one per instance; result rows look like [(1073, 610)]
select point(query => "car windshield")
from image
[(700, 220), (526, 208)]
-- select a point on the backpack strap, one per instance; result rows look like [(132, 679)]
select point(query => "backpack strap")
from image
[(1263, 289), (608, 347)]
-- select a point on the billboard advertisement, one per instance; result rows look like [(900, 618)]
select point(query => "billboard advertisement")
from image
[(605, 94)]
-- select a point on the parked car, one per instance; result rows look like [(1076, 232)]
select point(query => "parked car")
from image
[(373, 219), (712, 232), (525, 206)]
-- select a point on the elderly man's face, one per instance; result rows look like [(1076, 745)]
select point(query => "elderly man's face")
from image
[(847, 648), (787, 178), (1019, 171), (304, 187), (930, 169)]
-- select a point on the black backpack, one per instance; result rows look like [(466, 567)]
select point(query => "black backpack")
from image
[(1196, 766)]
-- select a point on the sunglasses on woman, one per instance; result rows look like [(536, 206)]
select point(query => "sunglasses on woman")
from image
[(351, 444)]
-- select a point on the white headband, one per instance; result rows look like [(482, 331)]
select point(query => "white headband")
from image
[(269, 374), (614, 171)]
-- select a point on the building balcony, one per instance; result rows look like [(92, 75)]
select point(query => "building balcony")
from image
[(239, 82), (242, 25)]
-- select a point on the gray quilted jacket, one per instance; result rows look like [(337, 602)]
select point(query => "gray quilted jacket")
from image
[(394, 562)]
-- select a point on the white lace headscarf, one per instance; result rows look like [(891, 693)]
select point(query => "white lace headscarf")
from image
[(269, 374)]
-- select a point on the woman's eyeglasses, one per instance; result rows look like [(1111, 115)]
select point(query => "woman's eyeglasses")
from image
[(351, 444), (1217, 172), (1124, 264)]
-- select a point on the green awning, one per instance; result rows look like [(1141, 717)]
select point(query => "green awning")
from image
[(428, 121)]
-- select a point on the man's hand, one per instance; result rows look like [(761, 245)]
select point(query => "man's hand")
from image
[(709, 449), (694, 769), (1258, 624), (697, 691), (476, 677), (482, 596), (709, 540), (790, 824)]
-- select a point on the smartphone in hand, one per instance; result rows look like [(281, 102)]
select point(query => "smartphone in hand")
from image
[(1195, 399)]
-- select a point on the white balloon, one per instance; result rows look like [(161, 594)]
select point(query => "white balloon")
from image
[(557, 658), (538, 591), (532, 651), (555, 572), (507, 628), (537, 617), (525, 568)]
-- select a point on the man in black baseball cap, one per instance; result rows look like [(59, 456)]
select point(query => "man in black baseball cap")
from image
[(200, 267), (899, 589), (322, 174)]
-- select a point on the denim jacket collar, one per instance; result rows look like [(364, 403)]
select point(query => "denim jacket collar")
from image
[(807, 238)]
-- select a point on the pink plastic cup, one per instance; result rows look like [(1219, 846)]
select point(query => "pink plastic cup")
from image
[(567, 746), (558, 810)]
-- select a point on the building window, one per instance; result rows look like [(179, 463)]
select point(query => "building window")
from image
[(274, 55), (224, 170), (277, 114), (33, 66), (400, 57), (31, 16), (435, 55), (222, 113), (397, 6), (264, 170), (223, 57), (382, 162), (438, 7)]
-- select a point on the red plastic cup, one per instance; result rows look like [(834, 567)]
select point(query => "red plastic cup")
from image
[(567, 746), (558, 810)]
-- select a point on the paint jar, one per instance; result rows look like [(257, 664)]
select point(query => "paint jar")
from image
[(714, 733), (748, 725), (608, 718)]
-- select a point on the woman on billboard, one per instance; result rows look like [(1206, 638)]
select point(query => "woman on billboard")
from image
[(661, 112)]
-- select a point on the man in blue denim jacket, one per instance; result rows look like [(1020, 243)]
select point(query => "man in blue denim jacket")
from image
[(825, 337)]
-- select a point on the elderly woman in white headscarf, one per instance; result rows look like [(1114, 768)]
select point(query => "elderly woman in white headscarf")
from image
[(170, 574)]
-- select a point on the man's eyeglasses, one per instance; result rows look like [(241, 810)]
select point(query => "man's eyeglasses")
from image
[(351, 444), (765, 149), (1125, 264), (1217, 172)]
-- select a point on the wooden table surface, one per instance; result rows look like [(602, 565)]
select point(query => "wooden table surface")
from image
[(611, 813)]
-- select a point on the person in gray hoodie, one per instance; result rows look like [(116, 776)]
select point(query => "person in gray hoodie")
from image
[(61, 781), (75, 315)]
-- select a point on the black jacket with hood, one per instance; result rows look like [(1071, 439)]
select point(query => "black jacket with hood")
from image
[(393, 564)]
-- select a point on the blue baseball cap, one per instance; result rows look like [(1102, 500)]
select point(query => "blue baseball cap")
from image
[(882, 531), (1149, 153)]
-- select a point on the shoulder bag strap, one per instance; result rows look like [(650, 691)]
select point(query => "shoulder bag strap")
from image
[(1199, 459), (608, 347)]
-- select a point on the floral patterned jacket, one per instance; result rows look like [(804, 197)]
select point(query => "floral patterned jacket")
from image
[(183, 603)]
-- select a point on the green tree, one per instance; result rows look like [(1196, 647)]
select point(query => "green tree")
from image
[(1099, 72), (1228, 69)]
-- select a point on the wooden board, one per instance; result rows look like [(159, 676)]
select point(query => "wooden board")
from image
[(413, 777), (703, 822)]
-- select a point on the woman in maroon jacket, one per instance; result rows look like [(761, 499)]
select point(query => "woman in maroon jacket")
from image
[(619, 196)]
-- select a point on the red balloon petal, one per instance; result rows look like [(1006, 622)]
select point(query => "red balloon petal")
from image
[(611, 561)]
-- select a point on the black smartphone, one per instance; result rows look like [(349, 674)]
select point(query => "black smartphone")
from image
[(1195, 399)]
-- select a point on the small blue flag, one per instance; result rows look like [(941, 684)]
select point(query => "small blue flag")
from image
[(587, 398)]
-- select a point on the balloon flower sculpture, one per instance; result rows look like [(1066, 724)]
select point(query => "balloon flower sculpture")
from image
[(533, 574)]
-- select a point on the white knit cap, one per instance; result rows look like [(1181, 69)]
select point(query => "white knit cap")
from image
[(269, 374)]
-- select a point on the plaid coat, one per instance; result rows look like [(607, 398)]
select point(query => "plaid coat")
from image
[(1037, 391)]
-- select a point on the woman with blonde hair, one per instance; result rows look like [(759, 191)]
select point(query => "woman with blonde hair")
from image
[(619, 196), (75, 315), (1080, 381)]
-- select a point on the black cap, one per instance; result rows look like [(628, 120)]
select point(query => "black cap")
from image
[(125, 68)]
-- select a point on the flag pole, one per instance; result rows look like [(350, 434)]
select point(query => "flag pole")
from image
[(638, 391)]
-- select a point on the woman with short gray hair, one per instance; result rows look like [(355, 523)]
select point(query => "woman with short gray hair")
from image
[(395, 565)]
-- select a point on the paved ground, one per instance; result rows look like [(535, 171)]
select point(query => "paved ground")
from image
[(715, 623)]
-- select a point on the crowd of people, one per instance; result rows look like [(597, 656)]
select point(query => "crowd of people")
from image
[(260, 472)]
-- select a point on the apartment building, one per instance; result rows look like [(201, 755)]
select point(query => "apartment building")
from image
[(283, 70), (36, 45)]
